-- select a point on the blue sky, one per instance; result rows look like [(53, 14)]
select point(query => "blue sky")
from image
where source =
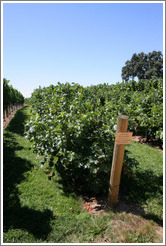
[(85, 43)]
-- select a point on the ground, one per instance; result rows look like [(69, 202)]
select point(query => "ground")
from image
[(7, 119), (135, 217)]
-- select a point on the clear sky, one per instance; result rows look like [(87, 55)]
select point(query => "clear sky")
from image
[(85, 43)]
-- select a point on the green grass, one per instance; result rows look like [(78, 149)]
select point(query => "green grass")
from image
[(145, 187), (38, 210)]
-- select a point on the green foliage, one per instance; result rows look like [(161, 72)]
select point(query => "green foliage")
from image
[(70, 122), (11, 95), (144, 66), (27, 100), (146, 105), (77, 125)]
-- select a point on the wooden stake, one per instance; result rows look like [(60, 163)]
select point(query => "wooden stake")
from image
[(117, 161)]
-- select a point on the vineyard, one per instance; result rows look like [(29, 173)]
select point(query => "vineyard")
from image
[(57, 155), (74, 127), (12, 99)]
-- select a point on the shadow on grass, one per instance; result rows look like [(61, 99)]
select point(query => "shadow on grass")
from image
[(80, 181), (140, 187), (15, 216), (16, 124), (135, 191)]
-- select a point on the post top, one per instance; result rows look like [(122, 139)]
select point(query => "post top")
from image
[(123, 117)]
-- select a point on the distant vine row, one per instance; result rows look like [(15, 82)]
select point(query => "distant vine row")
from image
[(12, 99)]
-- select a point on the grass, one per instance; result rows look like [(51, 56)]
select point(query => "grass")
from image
[(145, 186), (38, 210)]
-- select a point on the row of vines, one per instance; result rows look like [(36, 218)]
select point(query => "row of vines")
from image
[(12, 99), (74, 127)]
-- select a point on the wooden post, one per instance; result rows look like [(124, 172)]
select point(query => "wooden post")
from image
[(117, 161)]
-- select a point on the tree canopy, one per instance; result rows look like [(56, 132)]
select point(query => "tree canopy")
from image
[(143, 66)]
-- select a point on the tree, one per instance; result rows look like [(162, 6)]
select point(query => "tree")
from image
[(143, 66)]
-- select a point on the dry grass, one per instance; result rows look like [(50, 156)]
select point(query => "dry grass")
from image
[(130, 228)]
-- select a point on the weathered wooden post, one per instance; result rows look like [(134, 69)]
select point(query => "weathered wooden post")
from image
[(122, 137)]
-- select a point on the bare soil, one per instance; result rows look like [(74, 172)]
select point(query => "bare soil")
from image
[(98, 205), (95, 205), (154, 143)]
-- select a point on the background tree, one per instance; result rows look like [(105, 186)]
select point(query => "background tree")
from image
[(144, 66)]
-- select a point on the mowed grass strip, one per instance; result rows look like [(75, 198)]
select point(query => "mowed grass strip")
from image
[(145, 187), (37, 210)]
